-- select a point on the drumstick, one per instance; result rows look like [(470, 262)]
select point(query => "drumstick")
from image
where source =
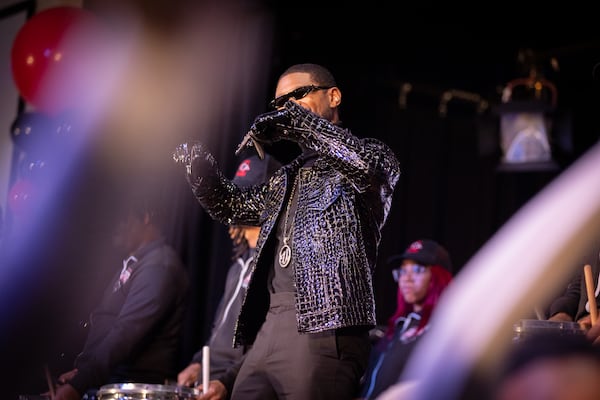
[(49, 381), (205, 368), (589, 284)]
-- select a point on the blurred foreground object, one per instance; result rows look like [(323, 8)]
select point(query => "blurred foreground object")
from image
[(552, 230), (47, 54)]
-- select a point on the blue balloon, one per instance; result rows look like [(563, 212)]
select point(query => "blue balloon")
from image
[(32, 132)]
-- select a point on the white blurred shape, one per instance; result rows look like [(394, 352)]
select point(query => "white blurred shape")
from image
[(141, 91), (184, 84), (522, 265)]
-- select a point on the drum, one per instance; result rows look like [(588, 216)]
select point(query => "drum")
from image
[(526, 328), (137, 391)]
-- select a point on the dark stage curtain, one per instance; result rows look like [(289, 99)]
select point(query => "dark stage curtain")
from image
[(450, 190)]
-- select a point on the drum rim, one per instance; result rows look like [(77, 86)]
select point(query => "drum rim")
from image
[(524, 324), (145, 388)]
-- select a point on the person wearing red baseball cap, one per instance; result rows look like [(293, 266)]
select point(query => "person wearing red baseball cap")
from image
[(423, 271)]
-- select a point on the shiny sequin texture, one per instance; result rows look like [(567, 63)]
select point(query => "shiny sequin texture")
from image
[(344, 199)]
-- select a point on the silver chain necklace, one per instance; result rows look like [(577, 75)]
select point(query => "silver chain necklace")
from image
[(285, 253)]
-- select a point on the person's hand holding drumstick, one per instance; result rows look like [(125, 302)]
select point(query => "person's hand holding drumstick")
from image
[(588, 320), (578, 301), (216, 391), (62, 391), (66, 392), (593, 332)]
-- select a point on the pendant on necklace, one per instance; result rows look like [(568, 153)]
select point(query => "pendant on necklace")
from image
[(285, 255)]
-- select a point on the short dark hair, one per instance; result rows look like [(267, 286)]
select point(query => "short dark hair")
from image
[(321, 75)]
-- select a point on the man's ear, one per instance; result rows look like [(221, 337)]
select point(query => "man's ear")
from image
[(335, 97)]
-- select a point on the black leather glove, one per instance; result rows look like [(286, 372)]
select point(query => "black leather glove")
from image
[(262, 131), (187, 154), (182, 154)]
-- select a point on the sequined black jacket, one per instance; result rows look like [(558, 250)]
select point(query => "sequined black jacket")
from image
[(344, 200)]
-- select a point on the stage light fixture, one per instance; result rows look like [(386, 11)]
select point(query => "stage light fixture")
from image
[(526, 125)]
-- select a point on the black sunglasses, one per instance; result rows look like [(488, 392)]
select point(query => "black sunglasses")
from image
[(295, 94)]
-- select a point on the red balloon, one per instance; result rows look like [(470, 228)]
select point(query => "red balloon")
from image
[(43, 57)]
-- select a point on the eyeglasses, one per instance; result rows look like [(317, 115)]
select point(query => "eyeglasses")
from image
[(415, 269), (297, 94)]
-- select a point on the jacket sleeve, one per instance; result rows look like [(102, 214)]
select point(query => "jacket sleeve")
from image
[(568, 301), (365, 161), (220, 197), (151, 296), (229, 376)]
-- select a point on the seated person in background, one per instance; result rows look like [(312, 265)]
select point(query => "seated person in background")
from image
[(423, 271), (223, 355), (573, 303), (135, 329), (550, 366)]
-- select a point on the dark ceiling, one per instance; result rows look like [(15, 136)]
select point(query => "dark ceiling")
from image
[(426, 45), (374, 49), (378, 44)]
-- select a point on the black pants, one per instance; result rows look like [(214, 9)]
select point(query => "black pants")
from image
[(285, 364)]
